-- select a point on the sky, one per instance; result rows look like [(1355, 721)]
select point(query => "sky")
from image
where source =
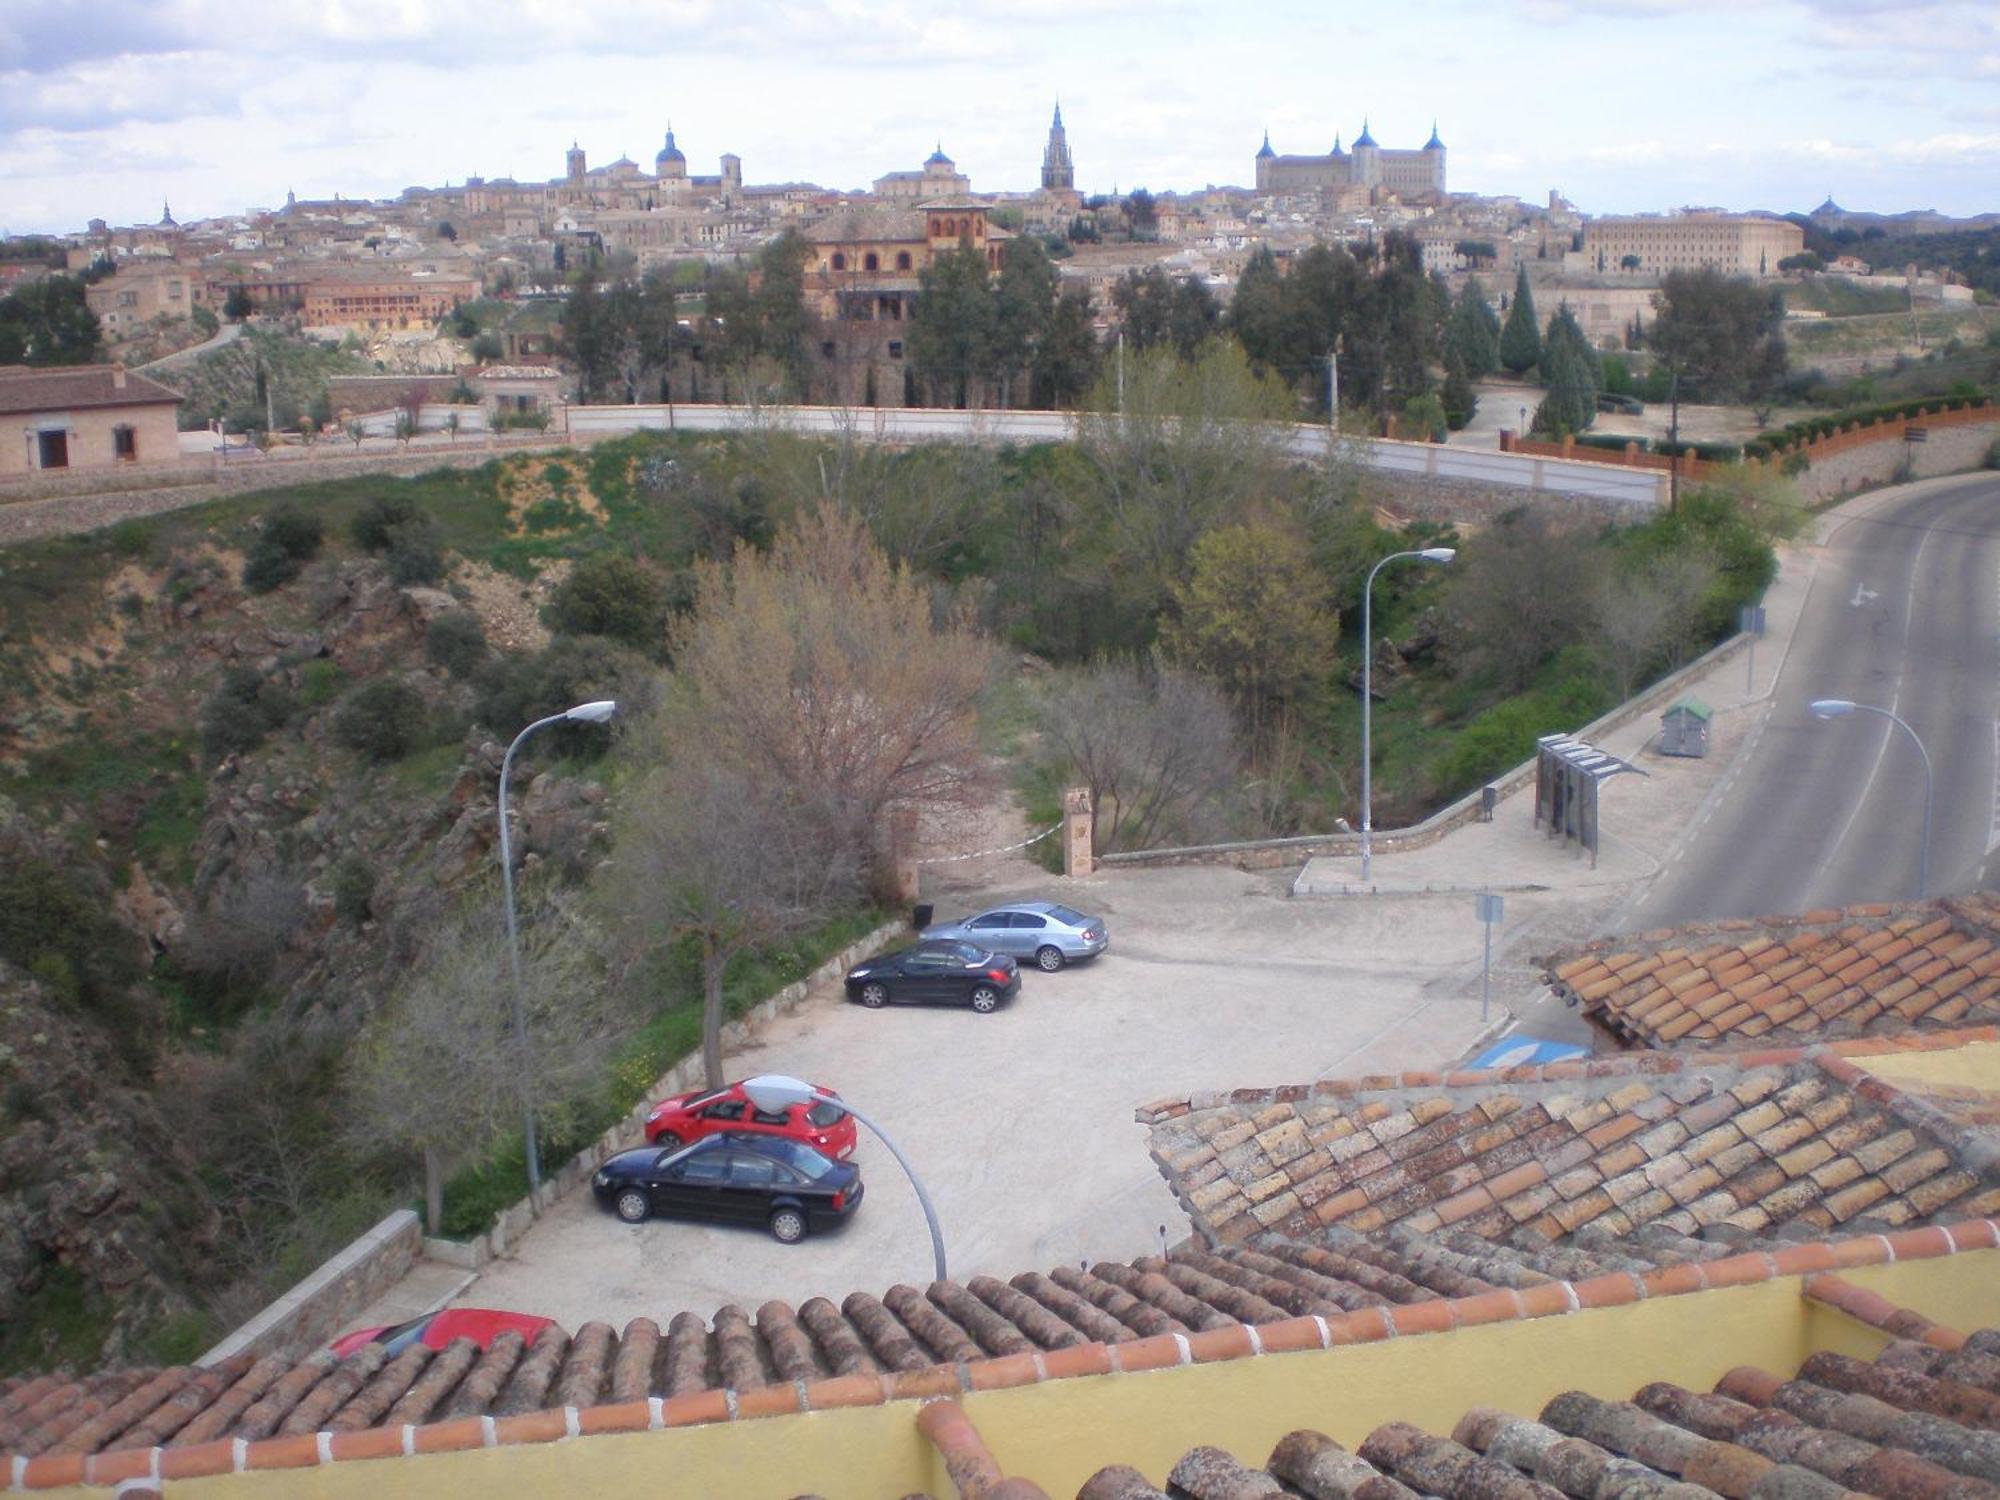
[(108, 108)]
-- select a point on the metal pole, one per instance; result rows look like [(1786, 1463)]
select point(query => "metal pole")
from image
[(1674, 441), (924, 1198), (1930, 791), (514, 956), (1333, 388), (1121, 372), (1750, 669), (1367, 703), (1486, 972)]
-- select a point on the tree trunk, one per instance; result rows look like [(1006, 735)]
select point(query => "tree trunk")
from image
[(712, 965), (433, 1192)]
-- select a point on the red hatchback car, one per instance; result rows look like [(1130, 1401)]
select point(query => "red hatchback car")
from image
[(686, 1118)]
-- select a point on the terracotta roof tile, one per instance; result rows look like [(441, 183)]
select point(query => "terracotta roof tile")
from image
[(1825, 974)]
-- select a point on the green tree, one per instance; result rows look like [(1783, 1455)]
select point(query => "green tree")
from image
[(1024, 309), (594, 336), (1253, 613), (1160, 309), (1068, 357), (48, 322), (1141, 214), (1521, 338), (239, 304), (1258, 315), (1573, 373), (954, 326), (1473, 331), (1721, 333)]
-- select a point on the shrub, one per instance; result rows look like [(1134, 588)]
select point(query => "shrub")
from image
[(383, 719), (373, 524), (353, 888), (615, 596), (244, 708), (294, 532), (456, 641), (416, 551), (513, 691)]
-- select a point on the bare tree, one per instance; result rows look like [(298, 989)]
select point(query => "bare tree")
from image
[(707, 852), (1156, 747), (823, 670), (441, 1071), (1523, 591), (245, 924)]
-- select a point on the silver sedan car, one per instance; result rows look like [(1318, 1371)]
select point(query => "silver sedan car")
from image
[(1046, 932)]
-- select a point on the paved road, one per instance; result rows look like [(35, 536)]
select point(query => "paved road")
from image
[(1904, 614), (222, 338)]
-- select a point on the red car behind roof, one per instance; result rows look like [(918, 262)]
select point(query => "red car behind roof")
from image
[(685, 1118), (436, 1330)]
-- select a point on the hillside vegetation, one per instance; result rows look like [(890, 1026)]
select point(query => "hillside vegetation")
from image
[(252, 748)]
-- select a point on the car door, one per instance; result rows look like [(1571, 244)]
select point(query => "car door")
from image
[(693, 1187), (992, 931), (753, 1178), (927, 977), (1028, 932)]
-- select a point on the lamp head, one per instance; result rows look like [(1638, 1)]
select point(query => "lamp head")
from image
[(1438, 554), (593, 713), (776, 1092), (1831, 708)]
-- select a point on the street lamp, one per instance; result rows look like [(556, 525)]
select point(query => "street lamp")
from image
[(1839, 708), (1426, 554), (777, 1092), (583, 713)]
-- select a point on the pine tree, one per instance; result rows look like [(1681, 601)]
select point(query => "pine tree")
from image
[(1459, 401), (1521, 339), (1573, 373), (1473, 333)]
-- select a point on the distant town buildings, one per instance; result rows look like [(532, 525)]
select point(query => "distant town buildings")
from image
[(1652, 245)]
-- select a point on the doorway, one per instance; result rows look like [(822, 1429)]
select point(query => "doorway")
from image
[(55, 449)]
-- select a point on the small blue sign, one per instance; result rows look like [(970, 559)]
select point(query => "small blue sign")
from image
[(1524, 1051)]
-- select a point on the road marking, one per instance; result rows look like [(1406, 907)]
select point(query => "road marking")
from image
[(1862, 595), (1993, 819)]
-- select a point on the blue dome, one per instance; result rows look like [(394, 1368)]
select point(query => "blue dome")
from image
[(670, 152), (937, 158), (1363, 139), (1266, 153), (1434, 144)]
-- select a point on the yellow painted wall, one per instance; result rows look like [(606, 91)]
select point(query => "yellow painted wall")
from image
[(1974, 1066), (1059, 1433)]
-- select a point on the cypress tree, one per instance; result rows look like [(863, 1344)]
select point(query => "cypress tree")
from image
[(1473, 332), (1521, 339)]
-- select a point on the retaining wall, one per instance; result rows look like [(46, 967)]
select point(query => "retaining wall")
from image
[(316, 1310)]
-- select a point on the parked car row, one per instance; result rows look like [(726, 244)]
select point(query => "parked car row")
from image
[(976, 962)]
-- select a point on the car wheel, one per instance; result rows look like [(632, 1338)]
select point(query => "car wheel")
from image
[(632, 1206), (788, 1226), (985, 999), (666, 1140), (874, 996), (1048, 958)]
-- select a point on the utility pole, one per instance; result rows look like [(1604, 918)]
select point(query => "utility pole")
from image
[(1333, 387), (1121, 372)]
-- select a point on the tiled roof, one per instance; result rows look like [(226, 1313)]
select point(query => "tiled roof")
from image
[(1866, 970), (69, 388), (852, 226), (1915, 1423), (183, 1423), (1754, 1142)]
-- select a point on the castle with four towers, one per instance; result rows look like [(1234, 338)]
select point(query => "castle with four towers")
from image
[(1413, 176)]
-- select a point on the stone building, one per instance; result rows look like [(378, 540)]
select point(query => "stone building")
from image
[(83, 417), (1411, 176), (939, 178), (1653, 244), (142, 292)]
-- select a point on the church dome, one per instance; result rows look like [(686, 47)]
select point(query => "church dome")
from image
[(1434, 144), (1364, 139), (937, 158), (1266, 153), (670, 152)]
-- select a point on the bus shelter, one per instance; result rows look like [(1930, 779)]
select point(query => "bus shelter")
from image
[(1568, 773)]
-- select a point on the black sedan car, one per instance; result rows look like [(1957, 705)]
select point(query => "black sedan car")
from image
[(736, 1177), (940, 972)]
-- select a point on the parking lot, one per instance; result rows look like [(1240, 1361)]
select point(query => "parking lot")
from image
[(1021, 1122)]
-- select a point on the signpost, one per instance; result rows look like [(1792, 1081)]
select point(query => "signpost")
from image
[(1489, 908), (1751, 624)]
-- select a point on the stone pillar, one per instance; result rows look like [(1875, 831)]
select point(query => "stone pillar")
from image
[(1077, 832), (903, 854)]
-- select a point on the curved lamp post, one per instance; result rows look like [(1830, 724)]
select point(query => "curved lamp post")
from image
[(1426, 554), (583, 713), (1839, 708), (777, 1092)]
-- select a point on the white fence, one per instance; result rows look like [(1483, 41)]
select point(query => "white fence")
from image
[(1640, 488)]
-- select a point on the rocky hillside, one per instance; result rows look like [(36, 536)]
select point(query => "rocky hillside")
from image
[(228, 820)]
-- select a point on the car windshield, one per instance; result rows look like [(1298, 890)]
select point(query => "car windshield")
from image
[(824, 1114), (1067, 917), (804, 1158)]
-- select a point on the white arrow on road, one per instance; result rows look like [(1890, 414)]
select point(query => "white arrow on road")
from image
[(1862, 595)]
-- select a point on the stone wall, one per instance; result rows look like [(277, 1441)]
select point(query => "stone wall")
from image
[(1945, 450), (319, 1308), (1416, 497)]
